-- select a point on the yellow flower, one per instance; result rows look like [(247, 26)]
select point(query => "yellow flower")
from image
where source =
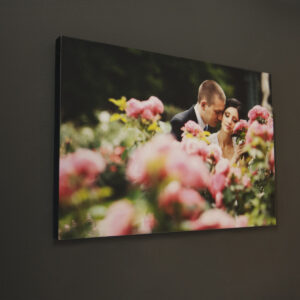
[(205, 140), (154, 127), (121, 103), (117, 117), (189, 135)]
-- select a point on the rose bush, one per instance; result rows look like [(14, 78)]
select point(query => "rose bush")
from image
[(128, 175)]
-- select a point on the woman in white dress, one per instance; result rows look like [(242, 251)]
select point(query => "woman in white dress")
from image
[(223, 137)]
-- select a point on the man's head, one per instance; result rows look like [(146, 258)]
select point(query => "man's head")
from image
[(211, 102)]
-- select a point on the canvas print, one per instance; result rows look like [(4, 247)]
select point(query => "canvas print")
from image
[(152, 143)]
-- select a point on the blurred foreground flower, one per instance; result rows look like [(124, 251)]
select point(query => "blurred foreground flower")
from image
[(192, 129), (78, 169), (118, 220), (181, 202), (194, 146), (217, 219), (214, 153), (163, 158), (259, 130), (240, 130), (258, 113)]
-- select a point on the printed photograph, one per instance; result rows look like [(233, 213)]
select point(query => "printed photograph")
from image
[(153, 143)]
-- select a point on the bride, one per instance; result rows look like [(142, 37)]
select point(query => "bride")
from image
[(223, 137)]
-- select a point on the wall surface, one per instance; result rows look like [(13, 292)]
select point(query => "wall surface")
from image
[(232, 264)]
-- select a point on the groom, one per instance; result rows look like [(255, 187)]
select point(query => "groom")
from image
[(207, 111)]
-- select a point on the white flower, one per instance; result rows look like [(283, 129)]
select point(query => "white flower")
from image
[(103, 117)]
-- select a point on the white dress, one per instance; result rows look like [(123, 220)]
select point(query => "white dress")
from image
[(213, 138)]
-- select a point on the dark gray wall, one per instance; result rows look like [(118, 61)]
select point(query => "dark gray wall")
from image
[(235, 264)]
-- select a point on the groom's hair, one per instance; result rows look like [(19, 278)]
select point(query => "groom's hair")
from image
[(208, 89)]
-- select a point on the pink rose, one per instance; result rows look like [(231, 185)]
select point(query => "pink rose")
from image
[(218, 183), (270, 122), (147, 114), (235, 174), (78, 169), (191, 171), (258, 113), (192, 128), (147, 163), (214, 153), (155, 105), (136, 168), (219, 200), (242, 125), (194, 146), (118, 220), (88, 164), (241, 221), (66, 170), (259, 130), (162, 157), (246, 181), (147, 224), (223, 167), (272, 160), (213, 219), (147, 109), (134, 108), (174, 196)]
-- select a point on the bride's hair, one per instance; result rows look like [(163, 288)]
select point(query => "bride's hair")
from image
[(232, 102)]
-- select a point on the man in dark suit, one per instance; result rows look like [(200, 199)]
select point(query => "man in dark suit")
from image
[(208, 110)]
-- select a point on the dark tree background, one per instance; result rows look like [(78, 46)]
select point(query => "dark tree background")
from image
[(93, 72)]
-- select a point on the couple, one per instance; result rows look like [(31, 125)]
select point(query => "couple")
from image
[(210, 109)]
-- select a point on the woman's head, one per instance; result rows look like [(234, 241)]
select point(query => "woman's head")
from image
[(231, 115)]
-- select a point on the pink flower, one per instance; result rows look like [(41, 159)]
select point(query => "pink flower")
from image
[(147, 109), (66, 169), (194, 146), (162, 157), (188, 201), (270, 122), (258, 113), (118, 220), (147, 224), (223, 167), (147, 114), (242, 125), (78, 169), (272, 160), (192, 128), (134, 108), (155, 105), (147, 163), (241, 221), (246, 181), (219, 200), (213, 219), (259, 130), (136, 168), (235, 174), (191, 171), (214, 153), (88, 164), (218, 183)]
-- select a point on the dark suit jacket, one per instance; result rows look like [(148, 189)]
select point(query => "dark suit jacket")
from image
[(178, 121)]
